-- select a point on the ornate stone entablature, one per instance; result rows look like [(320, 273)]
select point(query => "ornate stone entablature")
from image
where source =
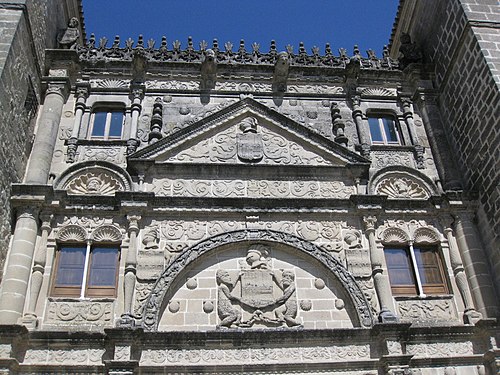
[(158, 301), (94, 178), (401, 183)]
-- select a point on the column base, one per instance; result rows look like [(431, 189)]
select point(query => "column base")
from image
[(472, 316), (387, 316), (30, 321)]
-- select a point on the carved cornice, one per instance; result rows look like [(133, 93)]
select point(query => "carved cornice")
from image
[(98, 52)]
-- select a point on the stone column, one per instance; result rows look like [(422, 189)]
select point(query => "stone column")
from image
[(43, 148), (471, 316), (410, 124), (38, 271), (82, 94), (18, 270), (438, 143), (130, 271), (135, 108), (364, 138), (476, 265), (380, 279)]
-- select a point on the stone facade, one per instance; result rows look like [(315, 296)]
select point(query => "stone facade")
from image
[(25, 36), (220, 210)]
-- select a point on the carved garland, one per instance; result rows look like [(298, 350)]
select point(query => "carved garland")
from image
[(154, 304)]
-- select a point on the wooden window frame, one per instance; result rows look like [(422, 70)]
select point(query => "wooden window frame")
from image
[(84, 290), (419, 288)]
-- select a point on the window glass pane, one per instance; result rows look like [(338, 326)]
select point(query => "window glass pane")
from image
[(115, 128), (375, 129), (429, 268), (390, 130), (70, 266), (99, 124), (103, 266), (398, 264)]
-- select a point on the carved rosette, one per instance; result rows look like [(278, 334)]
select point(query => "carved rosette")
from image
[(91, 183)]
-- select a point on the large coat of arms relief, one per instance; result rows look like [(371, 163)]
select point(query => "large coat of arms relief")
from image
[(256, 293)]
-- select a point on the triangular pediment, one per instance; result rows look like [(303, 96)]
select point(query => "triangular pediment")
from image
[(248, 132)]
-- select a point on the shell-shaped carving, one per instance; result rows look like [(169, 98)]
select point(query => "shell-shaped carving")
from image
[(401, 187), (378, 91), (425, 236), (92, 183), (71, 233), (112, 83), (395, 235), (106, 233)]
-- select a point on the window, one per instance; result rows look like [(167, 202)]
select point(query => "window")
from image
[(402, 263), (86, 271), (384, 130), (106, 124)]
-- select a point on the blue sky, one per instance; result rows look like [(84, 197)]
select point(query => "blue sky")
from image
[(342, 23)]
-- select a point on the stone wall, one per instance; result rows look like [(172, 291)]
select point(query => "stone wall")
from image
[(461, 39), (25, 33)]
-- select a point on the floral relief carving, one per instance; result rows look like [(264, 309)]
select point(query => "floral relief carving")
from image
[(277, 149), (80, 312), (67, 356), (161, 357), (251, 188), (440, 349), (442, 310), (101, 153), (142, 291), (401, 187), (91, 183), (381, 159)]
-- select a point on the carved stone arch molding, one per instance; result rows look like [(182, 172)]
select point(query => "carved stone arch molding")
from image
[(401, 183), (94, 178), (156, 302), (71, 233)]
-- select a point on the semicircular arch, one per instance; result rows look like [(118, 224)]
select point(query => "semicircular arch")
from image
[(156, 302)]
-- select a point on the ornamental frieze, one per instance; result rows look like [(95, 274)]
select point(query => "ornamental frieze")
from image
[(251, 188), (311, 354), (73, 312), (427, 310)]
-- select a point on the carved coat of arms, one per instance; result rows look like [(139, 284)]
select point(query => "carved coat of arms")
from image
[(249, 144), (257, 294)]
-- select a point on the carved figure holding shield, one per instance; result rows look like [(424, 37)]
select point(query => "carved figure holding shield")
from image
[(226, 310)]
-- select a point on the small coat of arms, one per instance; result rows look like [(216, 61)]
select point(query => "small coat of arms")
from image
[(249, 144)]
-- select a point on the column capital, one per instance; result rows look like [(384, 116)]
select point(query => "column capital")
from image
[(137, 92), (369, 222), (57, 85), (133, 223), (28, 212)]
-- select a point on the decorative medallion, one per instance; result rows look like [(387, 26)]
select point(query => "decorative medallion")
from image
[(401, 187), (94, 184)]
